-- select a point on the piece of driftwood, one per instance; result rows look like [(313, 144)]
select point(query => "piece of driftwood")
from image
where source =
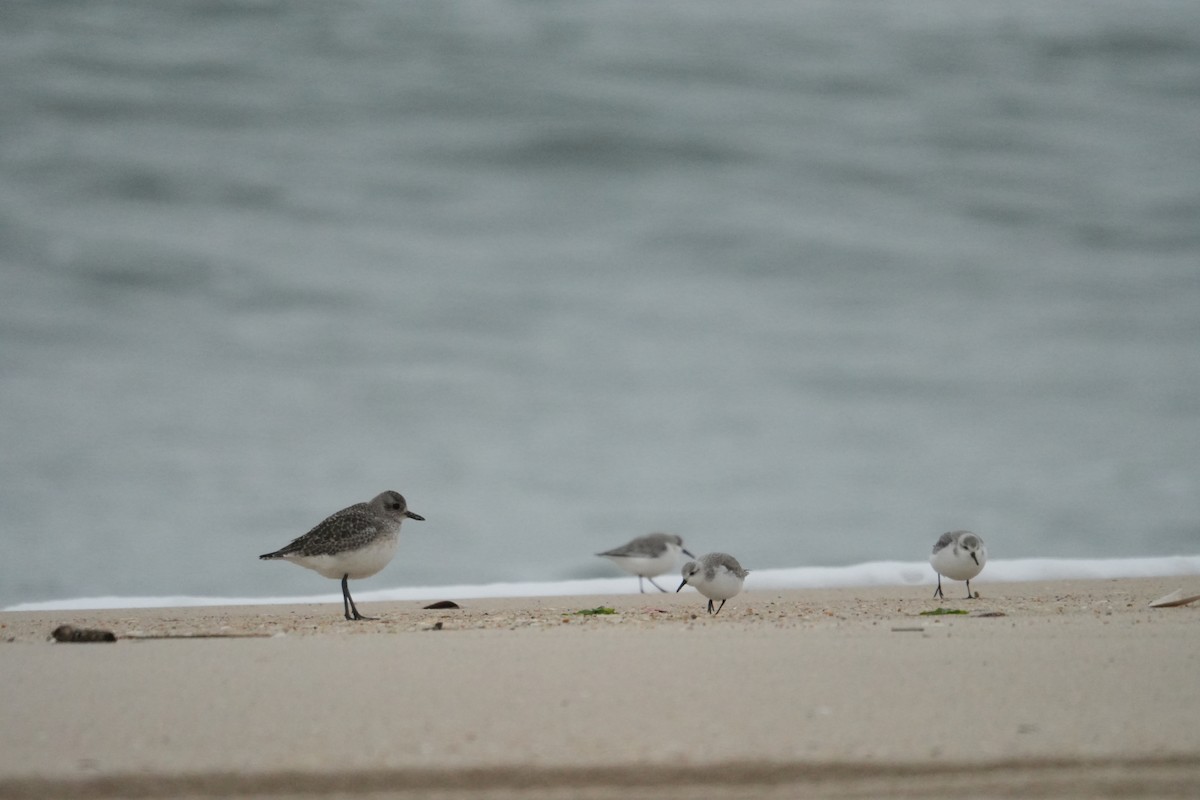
[(69, 633), (1173, 599), (229, 635)]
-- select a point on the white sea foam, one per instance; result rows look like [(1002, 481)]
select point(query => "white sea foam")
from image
[(875, 573)]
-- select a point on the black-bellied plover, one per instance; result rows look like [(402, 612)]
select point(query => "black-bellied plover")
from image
[(647, 556), (959, 556), (717, 576), (356, 542)]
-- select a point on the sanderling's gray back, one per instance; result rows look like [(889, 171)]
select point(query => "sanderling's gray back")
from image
[(717, 576), (647, 556), (959, 556), (355, 542)]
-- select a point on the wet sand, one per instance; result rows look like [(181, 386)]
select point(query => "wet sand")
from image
[(1063, 689)]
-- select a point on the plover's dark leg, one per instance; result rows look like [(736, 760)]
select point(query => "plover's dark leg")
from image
[(718, 611), (348, 602), (655, 585), (938, 592)]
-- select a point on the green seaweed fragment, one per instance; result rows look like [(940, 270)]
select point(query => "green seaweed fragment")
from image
[(938, 612), (589, 612)]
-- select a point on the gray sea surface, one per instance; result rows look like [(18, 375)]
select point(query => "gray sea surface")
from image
[(809, 283)]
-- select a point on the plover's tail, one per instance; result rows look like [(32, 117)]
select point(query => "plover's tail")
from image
[(288, 549)]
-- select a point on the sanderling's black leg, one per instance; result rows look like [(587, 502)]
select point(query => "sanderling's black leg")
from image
[(655, 585), (710, 606), (718, 611), (969, 595), (938, 592)]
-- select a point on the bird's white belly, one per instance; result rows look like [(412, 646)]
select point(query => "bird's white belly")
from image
[(361, 563), (647, 567), (722, 587), (959, 567)]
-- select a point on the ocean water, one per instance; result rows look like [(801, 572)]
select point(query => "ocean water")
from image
[(899, 574), (808, 283)]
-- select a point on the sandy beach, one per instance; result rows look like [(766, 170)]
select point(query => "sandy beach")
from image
[(1063, 689)]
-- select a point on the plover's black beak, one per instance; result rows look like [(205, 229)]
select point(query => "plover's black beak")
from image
[(411, 515), (688, 553), (975, 558), (682, 584)]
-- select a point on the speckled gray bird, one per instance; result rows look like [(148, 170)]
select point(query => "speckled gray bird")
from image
[(356, 542)]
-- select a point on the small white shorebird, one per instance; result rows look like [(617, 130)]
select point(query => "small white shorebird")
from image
[(959, 556), (717, 576), (356, 542), (647, 556)]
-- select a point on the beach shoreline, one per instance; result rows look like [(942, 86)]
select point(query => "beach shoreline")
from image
[(1064, 688)]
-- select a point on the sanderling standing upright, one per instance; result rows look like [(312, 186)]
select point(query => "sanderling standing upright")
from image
[(647, 556), (959, 556), (717, 576), (356, 542)]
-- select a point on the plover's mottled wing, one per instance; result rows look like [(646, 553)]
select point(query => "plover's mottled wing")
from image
[(348, 529)]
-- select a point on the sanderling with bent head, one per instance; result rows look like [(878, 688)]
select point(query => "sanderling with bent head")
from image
[(959, 556), (647, 556), (717, 576), (356, 542)]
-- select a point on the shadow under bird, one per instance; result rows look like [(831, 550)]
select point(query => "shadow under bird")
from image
[(356, 542), (717, 576), (959, 556), (647, 556)]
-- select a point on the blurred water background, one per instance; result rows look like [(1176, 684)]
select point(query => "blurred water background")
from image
[(807, 282)]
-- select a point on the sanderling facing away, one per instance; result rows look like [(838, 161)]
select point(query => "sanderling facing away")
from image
[(959, 556), (717, 576), (647, 556), (356, 542)]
